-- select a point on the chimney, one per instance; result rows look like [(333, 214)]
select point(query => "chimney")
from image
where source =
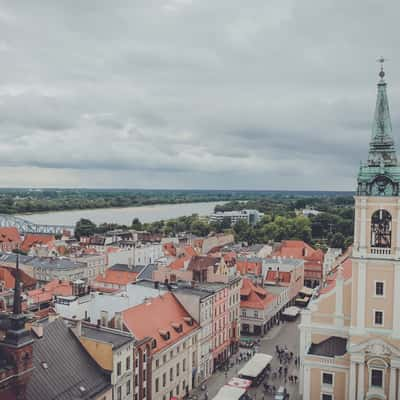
[(37, 329), (77, 329), (104, 317), (118, 321), (129, 262), (52, 317)]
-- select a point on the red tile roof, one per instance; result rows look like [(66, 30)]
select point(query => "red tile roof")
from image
[(9, 235), (32, 239), (313, 259), (284, 276), (6, 275), (198, 263), (48, 291), (117, 277), (179, 263), (331, 280), (256, 297), (189, 251), (249, 267), (156, 317), (169, 249)]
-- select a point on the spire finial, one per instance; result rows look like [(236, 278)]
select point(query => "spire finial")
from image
[(17, 289), (381, 60)]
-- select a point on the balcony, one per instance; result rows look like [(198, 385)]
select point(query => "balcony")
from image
[(381, 250)]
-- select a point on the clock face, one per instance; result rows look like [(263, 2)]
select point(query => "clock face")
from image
[(382, 187), (381, 229)]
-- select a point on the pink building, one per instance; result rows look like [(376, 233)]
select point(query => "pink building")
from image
[(221, 326)]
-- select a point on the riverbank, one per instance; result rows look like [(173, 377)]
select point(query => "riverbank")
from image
[(123, 215)]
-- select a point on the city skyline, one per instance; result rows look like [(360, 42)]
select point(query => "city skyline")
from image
[(189, 95)]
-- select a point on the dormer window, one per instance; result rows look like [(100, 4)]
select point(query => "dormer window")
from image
[(165, 334), (177, 326)]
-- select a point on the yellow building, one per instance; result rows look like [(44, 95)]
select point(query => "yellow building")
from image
[(350, 334)]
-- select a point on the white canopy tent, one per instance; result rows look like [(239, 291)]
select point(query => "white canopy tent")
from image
[(307, 291), (230, 393), (291, 312), (256, 365)]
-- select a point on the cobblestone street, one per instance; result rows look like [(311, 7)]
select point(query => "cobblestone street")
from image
[(283, 334)]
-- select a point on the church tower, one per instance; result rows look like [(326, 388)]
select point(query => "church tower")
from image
[(374, 344), (350, 333), (15, 349)]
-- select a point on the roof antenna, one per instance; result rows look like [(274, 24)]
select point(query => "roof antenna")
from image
[(381, 60)]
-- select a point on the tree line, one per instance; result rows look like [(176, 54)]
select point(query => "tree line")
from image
[(332, 227)]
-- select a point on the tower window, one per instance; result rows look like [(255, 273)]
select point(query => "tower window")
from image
[(377, 377), (327, 378), (378, 318), (379, 289), (381, 229)]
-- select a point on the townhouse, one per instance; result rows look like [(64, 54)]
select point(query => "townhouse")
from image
[(174, 338)]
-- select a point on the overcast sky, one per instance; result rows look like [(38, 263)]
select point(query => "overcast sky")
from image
[(210, 94)]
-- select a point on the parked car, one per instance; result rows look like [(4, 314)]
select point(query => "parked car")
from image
[(281, 394)]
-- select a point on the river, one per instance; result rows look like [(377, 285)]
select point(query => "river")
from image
[(123, 216)]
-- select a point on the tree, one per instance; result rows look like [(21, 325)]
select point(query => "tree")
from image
[(136, 224), (84, 227), (337, 241)]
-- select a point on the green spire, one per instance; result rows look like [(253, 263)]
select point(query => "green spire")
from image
[(380, 176), (381, 147)]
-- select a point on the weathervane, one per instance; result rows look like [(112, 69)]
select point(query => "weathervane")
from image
[(381, 60)]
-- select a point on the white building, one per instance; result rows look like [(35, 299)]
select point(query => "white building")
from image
[(249, 216), (141, 254), (102, 306), (330, 260)]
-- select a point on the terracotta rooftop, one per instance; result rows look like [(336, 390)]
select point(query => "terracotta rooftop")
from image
[(9, 234), (255, 296), (48, 291), (179, 263), (169, 249), (9, 281), (298, 249), (189, 251), (331, 280), (117, 277), (32, 239), (249, 267), (202, 262), (160, 314), (272, 276)]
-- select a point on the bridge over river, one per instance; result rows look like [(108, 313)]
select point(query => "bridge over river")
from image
[(25, 226)]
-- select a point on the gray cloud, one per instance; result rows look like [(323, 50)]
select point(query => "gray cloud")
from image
[(192, 93)]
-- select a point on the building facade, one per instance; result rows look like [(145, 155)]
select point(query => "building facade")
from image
[(249, 216), (199, 303), (350, 336)]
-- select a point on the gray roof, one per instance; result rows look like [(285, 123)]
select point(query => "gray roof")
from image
[(194, 291), (331, 347), (70, 374), (147, 272), (135, 294), (52, 263), (126, 267), (106, 335)]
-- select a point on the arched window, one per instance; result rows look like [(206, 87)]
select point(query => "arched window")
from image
[(381, 229)]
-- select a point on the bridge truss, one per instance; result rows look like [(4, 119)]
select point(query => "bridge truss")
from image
[(25, 226)]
